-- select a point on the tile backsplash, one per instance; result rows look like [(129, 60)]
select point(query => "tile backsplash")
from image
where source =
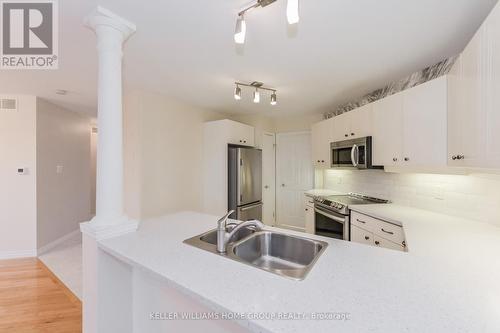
[(475, 196)]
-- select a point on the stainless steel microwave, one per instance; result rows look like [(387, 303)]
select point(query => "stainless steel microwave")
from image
[(355, 153)]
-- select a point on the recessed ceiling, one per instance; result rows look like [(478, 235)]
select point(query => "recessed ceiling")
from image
[(339, 51)]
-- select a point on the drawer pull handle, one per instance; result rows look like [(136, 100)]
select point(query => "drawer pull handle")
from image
[(361, 221), (387, 232)]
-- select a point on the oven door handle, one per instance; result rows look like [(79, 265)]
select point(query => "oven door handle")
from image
[(335, 218), (355, 155)]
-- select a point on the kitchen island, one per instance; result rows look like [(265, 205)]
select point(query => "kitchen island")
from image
[(447, 282)]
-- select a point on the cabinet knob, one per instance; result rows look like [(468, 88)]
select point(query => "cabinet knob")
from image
[(282, 185), (319, 161), (460, 157), (352, 134), (367, 238), (454, 157), (266, 187), (307, 210), (346, 135), (395, 159), (322, 161), (407, 159), (377, 243)]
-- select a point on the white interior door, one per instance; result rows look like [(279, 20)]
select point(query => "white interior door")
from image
[(268, 178), (294, 176)]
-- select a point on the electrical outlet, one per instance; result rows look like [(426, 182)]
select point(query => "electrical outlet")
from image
[(59, 169)]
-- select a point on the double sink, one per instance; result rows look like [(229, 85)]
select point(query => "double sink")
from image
[(279, 253)]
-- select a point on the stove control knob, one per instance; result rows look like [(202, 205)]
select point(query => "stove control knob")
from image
[(340, 206)]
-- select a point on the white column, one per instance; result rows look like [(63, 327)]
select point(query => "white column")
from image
[(110, 220), (111, 31)]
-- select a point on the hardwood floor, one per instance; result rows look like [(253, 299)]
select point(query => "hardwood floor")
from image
[(33, 300)]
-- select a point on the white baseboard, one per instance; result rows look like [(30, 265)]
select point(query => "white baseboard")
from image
[(17, 254), (51, 245)]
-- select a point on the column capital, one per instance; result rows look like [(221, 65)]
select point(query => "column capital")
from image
[(104, 17)]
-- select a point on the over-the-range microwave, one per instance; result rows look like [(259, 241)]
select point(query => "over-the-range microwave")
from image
[(354, 153)]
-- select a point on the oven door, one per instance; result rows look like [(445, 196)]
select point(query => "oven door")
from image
[(331, 224)]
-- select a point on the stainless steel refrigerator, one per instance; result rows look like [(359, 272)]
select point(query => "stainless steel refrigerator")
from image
[(245, 183)]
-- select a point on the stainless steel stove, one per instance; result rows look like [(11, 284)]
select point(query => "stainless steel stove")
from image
[(332, 213)]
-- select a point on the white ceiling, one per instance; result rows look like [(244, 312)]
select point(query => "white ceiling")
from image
[(340, 50)]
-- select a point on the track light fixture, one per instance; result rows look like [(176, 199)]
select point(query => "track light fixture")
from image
[(292, 14), (256, 94)]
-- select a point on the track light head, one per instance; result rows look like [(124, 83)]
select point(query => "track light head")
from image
[(256, 96), (292, 11), (274, 99), (240, 31), (237, 93)]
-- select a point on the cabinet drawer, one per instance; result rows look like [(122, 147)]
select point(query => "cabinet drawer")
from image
[(389, 231), (308, 201), (364, 221)]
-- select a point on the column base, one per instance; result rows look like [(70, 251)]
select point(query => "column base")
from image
[(99, 229)]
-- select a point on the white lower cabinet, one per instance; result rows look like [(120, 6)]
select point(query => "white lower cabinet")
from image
[(362, 236), (368, 230), (309, 214)]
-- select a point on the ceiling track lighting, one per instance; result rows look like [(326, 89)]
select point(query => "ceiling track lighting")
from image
[(256, 94), (292, 15)]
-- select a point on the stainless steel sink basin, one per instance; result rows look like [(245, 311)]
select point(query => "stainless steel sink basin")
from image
[(279, 253), (282, 254)]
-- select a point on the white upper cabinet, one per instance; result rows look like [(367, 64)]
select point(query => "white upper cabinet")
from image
[(492, 107), (464, 123), (474, 116), (388, 130), (321, 137), (353, 124), (409, 128), (424, 124), (240, 134)]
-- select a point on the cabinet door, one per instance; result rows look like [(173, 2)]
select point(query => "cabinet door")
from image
[(362, 236), (388, 130), (492, 82), (381, 242), (241, 134), (465, 134), (361, 122), (310, 226), (321, 137), (424, 124), (342, 127)]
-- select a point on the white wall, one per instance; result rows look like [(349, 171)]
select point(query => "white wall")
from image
[(474, 196), (18, 192), (63, 199), (163, 154)]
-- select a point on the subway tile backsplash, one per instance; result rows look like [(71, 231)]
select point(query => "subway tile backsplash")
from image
[(475, 196)]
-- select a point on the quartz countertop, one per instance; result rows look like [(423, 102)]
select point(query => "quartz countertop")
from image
[(447, 282)]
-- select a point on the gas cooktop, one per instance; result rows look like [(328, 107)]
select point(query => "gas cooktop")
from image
[(341, 203)]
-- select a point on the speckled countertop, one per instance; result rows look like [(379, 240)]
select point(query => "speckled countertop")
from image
[(448, 282)]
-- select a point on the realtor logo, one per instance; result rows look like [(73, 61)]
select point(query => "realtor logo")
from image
[(29, 35)]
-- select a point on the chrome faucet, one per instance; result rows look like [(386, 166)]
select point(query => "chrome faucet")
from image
[(224, 237)]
